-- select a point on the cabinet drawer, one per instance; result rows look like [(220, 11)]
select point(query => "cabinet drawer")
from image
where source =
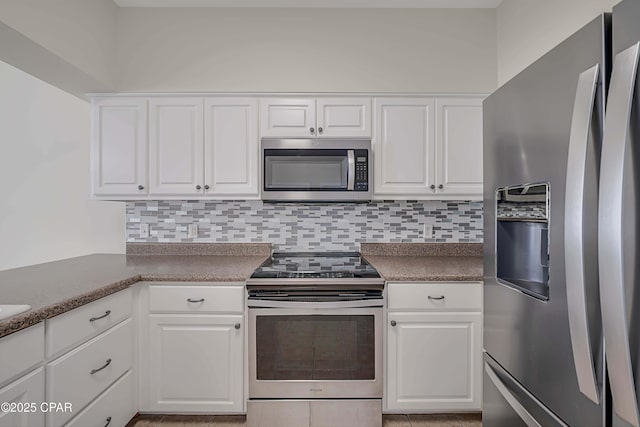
[(82, 374), (435, 296), (115, 407), (197, 299), (20, 351), (75, 326)]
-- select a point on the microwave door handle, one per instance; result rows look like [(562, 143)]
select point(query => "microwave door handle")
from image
[(573, 233), (351, 174), (615, 147)]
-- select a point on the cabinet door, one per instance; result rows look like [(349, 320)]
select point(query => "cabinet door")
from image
[(176, 146), (231, 147), (119, 147), (25, 390), (403, 147), (344, 117), (434, 361), (459, 147), (288, 117), (195, 363)]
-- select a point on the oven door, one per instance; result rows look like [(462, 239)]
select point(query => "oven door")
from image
[(314, 351)]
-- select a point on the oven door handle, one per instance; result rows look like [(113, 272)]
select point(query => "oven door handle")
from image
[(257, 303)]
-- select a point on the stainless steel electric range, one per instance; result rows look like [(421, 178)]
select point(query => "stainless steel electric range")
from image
[(315, 341)]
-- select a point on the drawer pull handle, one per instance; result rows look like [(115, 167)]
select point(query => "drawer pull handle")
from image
[(195, 300), (108, 422), (393, 323), (93, 371), (441, 297), (106, 313)]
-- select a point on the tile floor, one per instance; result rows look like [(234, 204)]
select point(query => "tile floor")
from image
[(444, 420)]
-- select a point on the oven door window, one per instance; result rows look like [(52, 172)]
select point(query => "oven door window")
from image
[(299, 170), (315, 347)]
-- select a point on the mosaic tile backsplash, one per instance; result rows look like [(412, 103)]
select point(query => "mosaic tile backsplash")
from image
[(307, 227)]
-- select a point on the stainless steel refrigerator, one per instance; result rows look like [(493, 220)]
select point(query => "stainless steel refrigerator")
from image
[(562, 228)]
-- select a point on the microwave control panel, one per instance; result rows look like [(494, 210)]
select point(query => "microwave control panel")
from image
[(362, 171)]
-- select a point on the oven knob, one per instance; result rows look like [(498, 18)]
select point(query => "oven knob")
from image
[(237, 326), (393, 323)]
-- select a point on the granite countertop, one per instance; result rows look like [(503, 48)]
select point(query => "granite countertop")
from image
[(426, 262), (56, 287)]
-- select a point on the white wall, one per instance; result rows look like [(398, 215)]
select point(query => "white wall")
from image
[(209, 49), (80, 32), (45, 213), (527, 29)]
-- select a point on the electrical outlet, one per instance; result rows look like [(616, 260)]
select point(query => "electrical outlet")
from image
[(144, 230), (192, 231), (427, 231)]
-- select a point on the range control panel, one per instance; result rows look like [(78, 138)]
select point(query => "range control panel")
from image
[(362, 170)]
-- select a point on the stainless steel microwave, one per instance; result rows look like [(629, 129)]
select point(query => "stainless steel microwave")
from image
[(316, 170)]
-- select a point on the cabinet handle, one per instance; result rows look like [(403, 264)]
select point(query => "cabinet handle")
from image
[(206, 187), (198, 187), (393, 323), (93, 371), (441, 297), (106, 313), (237, 326), (108, 422), (312, 130), (140, 187), (432, 186), (320, 130), (195, 300), (440, 186)]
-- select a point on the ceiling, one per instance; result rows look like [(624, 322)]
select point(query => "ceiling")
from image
[(399, 4)]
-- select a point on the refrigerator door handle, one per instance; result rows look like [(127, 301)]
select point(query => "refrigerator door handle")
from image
[(615, 318), (573, 233), (510, 398)]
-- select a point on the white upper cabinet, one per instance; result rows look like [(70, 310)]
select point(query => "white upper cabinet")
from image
[(119, 147), (311, 118), (176, 146), (208, 147), (288, 117), (403, 147), (231, 147), (344, 117), (428, 148), (459, 146)]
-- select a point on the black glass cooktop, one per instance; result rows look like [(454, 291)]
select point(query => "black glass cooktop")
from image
[(315, 265)]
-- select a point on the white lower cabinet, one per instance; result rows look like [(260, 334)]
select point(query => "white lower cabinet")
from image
[(113, 408), (196, 363), (434, 353), (192, 348), (24, 396), (90, 363), (82, 374)]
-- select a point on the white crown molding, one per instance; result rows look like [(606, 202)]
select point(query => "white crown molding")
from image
[(374, 4)]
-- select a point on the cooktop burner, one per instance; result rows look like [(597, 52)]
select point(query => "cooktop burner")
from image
[(315, 265)]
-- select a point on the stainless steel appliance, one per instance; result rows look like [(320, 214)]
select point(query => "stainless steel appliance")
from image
[(316, 169), (560, 267), (315, 337)]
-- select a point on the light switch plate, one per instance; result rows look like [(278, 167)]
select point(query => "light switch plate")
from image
[(144, 230), (427, 231), (192, 231)]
